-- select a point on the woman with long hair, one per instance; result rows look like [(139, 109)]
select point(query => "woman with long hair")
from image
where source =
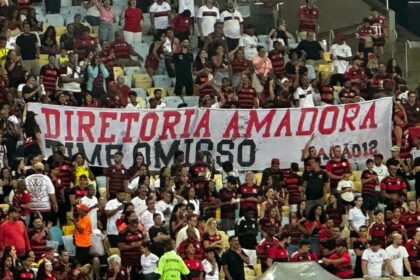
[(357, 218), (11, 251), (134, 170), (190, 198), (31, 136), (5, 183), (210, 199), (80, 167), (49, 41), (6, 267), (315, 220), (178, 219), (394, 69), (155, 55), (45, 271), (32, 21), (97, 75), (14, 23), (335, 211)]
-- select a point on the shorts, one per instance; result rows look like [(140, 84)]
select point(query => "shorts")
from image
[(345, 203), (354, 234), (379, 42), (370, 202)]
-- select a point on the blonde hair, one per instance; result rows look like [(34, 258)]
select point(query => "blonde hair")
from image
[(207, 228), (114, 258)]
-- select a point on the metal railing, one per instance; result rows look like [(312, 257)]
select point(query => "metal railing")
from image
[(409, 45)]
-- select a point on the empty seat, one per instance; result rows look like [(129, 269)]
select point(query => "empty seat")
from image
[(148, 39), (60, 30), (66, 3), (118, 71), (141, 92), (142, 81), (57, 235), (128, 81), (172, 101), (55, 20), (142, 49), (191, 101), (64, 10), (142, 101), (118, 10), (77, 10), (100, 181), (162, 81), (130, 70)]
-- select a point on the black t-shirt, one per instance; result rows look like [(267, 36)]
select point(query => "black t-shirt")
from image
[(182, 62), (27, 44), (234, 263), (33, 98), (312, 49), (157, 247), (68, 42), (248, 241), (315, 184)]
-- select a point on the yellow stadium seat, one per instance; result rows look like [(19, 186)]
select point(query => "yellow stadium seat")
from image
[(258, 178), (68, 230), (102, 191), (411, 195), (150, 92), (326, 56), (218, 211), (170, 91), (60, 30), (257, 269), (328, 68), (249, 272), (142, 80), (142, 102), (356, 178), (5, 207), (118, 71), (285, 211)]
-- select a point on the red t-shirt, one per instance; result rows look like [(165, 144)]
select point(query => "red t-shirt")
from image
[(182, 24), (278, 254), (133, 16), (343, 270)]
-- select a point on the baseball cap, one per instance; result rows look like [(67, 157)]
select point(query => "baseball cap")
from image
[(83, 207), (395, 148)]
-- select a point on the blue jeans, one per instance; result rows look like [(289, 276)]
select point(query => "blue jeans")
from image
[(93, 21), (106, 32)]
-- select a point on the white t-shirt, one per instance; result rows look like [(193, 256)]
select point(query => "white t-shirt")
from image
[(305, 97), (161, 206), (93, 214), (344, 51), (208, 17), (356, 215), (208, 267), (40, 187), (382, 172), (161, 13), (146, 218), (149, 263), (93, 11), (344, 184), (375, 261), (139, 205), (232, 24), (97, 246), (111, 227), (3, 152), (72, 86), (397, 255), (131, 106), (186, 5), (250, 44)]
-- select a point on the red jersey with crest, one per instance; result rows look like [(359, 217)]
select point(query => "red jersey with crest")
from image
[(357, 76), (413, 250), (308, 18), (337, 168), (130, 257), (411, 222), (195, 268), (278, 254), (378, 25), (368, 188), (393, 185), (363, 31), (303, 257), (277, 61), (393, 226), (247, 191), (377, 230)]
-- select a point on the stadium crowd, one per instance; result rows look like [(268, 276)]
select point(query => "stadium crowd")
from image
[(59, 221)]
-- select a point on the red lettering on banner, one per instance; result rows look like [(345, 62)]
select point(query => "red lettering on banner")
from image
[(232, 126), (144, 125), (104, 125), (348, 120), (370, 117), (129, 117), (69, 116), (56, 115), (285, 123), (304, 113), (171, 119), (188, 114), (86, 127), (322, 121), (254, 121), (203, 124)]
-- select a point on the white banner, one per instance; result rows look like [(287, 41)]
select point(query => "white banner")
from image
[(248, 138)]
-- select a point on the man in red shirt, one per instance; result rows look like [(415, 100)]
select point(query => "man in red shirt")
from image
[(303, 254), (13, 233), (413, 250), (123, 51), (369, 183), (227, 210), (308, 19), (268, 242), (249, 193), (335, 168), (365, 34), (133, 23), (84, 44), (377, 228), (116, 177), (393, 186), (379, 25), (341, 261), (356, 74), (49, 74), (119, 93), (279, 253), (199, 173), (411, 218)]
